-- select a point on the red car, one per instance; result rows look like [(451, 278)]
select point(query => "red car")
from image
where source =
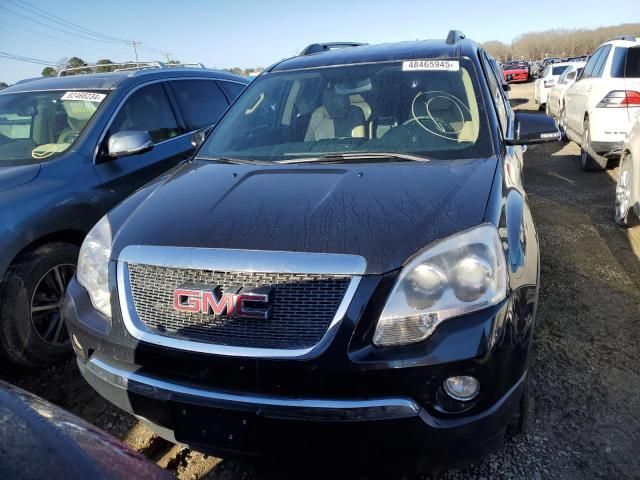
[(515, 72)]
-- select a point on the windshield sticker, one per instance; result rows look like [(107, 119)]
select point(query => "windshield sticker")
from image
[(417, 65), (86, 96)]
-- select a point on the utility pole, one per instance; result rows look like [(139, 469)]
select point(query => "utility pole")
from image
[(135, 44)]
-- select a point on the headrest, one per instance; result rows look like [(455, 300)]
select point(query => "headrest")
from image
[(78, 113), (337, 105)]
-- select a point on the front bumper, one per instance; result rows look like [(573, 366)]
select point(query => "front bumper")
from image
[(226, 423), (352, 401)]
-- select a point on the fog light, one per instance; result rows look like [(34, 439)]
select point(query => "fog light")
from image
[(462, 388)]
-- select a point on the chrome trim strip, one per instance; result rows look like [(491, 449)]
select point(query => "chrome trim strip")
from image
[(233, 260), (278, 407), (253, 261)]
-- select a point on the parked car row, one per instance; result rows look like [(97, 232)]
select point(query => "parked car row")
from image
[(597, 105)]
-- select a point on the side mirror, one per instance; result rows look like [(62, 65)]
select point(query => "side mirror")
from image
[(506, 87), (533, 128), (198, 137), (123, 144)]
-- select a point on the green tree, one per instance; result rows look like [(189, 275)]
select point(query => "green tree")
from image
[(104, 61), (234, 70), (3, 85), (49, 72)]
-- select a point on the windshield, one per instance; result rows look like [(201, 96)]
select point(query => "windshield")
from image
[(37, 126), (428, 108), (515, 66)]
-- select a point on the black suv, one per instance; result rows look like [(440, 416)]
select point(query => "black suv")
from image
[(71, 148), (348, 266)]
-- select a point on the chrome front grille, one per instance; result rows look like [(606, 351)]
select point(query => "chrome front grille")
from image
[(302, 306)]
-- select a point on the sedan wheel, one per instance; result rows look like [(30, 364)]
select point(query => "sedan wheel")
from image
[(562, 125), (589, 163), (46, 305), (624, 195)]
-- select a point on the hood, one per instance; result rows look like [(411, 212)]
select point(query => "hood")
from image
[(384, 212), (11, 177)]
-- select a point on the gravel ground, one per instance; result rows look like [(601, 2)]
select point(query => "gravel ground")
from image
[(586, 403)]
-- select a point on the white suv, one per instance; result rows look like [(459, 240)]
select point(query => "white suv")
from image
[(601, 105)]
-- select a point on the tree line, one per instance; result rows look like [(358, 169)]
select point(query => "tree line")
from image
[(103, 65), (557, 42), (106, 65)]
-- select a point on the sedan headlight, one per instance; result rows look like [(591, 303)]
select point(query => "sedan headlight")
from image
[(93, 266), (461, 274)]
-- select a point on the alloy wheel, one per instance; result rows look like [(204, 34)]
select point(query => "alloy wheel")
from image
[(46, 305), (623, 194)]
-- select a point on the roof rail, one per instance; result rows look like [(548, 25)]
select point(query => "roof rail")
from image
[(325, 47), (628, 38), (124, 67), (454, 36)]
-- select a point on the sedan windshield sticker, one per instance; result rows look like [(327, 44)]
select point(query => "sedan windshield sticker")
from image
[(446, 65), (86, 96)]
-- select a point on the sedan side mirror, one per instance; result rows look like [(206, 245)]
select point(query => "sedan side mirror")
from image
[(533, 128), (123, 144), (198, 137)]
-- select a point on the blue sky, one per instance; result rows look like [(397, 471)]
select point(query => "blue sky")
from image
[(249, 33)]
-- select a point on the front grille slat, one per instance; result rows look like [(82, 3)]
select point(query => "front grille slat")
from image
[(302, 307)]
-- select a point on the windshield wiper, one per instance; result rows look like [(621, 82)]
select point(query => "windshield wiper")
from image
[(235, 161), (359, 156)]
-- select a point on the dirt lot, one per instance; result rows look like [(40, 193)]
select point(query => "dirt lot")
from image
[(586, 411)]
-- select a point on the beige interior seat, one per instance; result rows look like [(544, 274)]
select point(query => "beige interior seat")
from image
[(358, 101), (78, 114), (336, 118)]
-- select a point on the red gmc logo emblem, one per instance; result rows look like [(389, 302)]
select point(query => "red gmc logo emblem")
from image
[(214, 302)]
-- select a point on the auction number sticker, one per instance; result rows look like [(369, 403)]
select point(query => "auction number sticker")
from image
[(86, 96), (446, 65)]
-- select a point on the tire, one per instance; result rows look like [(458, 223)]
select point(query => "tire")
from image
[(589, 163), (32, 330), (562, 125), (625, 214), (520, 422)]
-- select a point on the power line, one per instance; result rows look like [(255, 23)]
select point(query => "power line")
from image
[(96, 50), (61, 21), (66, 27), (56, 28), (20, 58)]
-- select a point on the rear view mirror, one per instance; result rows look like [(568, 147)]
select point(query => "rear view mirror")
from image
[(27, 111), (533, 128), (123, 144)]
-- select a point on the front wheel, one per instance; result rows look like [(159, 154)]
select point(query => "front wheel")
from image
[(589, 162), (562, 125), (625, 214), (33, 332)]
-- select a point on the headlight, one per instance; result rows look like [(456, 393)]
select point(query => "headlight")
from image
[(461, 274), (93, 266)]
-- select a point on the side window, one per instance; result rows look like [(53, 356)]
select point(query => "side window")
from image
[(148, 110), (598, 68), (201, 101), (588, 68), (231, 89), (495, 87)]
